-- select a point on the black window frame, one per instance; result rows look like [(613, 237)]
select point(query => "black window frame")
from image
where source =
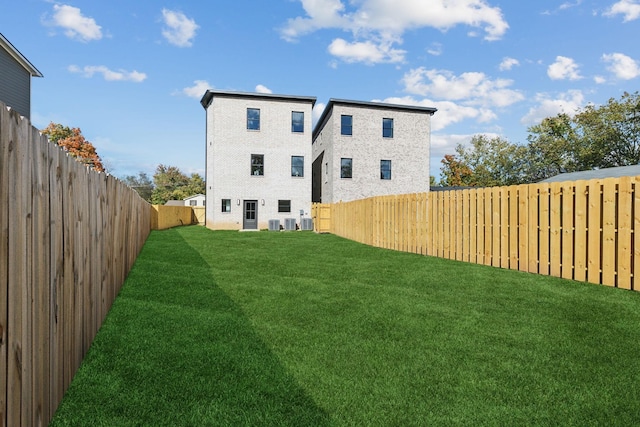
[(343, 175), (284, 206), (225, 206), (257, 166), (387, 128), (252, 122), (297, 126), (346, 129), (385, 170)]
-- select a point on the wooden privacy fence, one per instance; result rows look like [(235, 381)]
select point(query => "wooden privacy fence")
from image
[(68, 237), (583, 230), (163, 217)]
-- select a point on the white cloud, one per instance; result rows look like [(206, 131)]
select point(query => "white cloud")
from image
[(599, 80), (179, 30), (448, 112), (435, 49), (76, 26), (474, 88), (378, 25), (198, 89), (508, 63), (622, 66), (367, 52), (263, 89), (563, 69), (629, 8), (109, 75), (568, 103)]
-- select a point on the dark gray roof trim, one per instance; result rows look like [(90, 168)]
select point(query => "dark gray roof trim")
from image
[(365, 104), (15, 53), (210, 94)]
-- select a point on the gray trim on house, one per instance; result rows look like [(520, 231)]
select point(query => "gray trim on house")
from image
[(210, 94), (615, 172), (18, 57), (366, 104)]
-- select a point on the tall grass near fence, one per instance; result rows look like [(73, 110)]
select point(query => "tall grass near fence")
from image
[(68, 237), (584, 230)]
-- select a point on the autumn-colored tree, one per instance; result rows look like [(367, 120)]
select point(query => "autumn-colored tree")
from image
[(454, 172), (72, 141)]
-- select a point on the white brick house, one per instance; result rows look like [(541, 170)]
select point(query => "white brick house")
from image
[(365, 149), (258, 159)]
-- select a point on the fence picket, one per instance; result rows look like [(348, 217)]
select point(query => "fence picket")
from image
[(580, 231), (624, 212), (555, 228), (544, 245), (609, 231), (568, 203), (496, 210), (594, 251), (5, 137)]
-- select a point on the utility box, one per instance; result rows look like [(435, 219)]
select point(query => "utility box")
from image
[(274, 225), (289, 224)]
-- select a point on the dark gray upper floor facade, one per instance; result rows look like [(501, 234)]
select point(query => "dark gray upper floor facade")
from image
[(15, 78)]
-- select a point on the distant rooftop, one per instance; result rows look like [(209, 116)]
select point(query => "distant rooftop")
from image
[(615, 172)]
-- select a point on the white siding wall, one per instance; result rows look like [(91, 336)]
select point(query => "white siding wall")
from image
[(229, 149), (408, 151)]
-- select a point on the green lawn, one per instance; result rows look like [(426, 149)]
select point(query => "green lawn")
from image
[(227, 328)]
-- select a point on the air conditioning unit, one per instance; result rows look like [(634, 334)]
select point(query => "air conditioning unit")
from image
[(274, 225), (289, 223), (306, 224)]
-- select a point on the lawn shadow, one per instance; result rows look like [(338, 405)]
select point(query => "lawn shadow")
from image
[(176, 350)]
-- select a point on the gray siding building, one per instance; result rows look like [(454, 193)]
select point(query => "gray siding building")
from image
[(366, 149), (15, 83)]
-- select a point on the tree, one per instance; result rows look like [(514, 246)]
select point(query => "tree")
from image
[(454, 172), (486, 162), (142, 184), (612, 131), (72, 141), (554, 147), (171, 184), (596, 137)]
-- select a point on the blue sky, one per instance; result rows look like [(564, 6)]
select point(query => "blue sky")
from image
[(131, 74)]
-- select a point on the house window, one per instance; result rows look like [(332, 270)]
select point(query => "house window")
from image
[(385, 169), (345, 168), (297, 121), (253, 118), (257, 164), (387, 128), (297, 165), (284, 205), (193, 203), (346, 125), (226, 205)]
